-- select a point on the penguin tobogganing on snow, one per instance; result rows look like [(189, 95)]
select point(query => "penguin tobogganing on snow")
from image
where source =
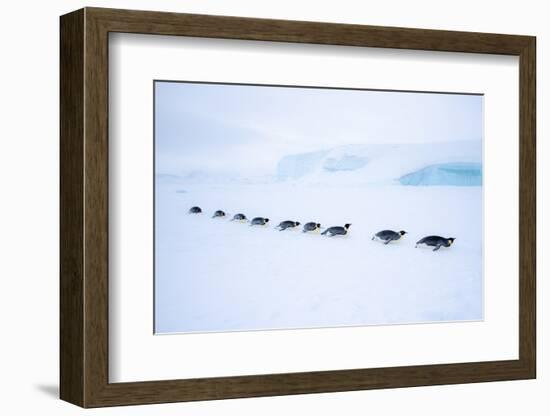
[(218, 214), (332, 231), (435, 241), (259, 221), (239, 217), (387, 236), (195, 210), (287, 224), (311, 227)]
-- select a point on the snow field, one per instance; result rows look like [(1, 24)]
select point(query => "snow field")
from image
[(218, 275)]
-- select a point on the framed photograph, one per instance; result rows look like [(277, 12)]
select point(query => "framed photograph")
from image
[(255, 207)]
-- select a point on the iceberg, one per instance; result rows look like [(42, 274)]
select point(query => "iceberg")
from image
[(299, 165), (345, 163), (450, 174), (446, 163)]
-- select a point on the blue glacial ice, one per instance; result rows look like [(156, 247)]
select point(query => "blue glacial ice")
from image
[(450, 174)]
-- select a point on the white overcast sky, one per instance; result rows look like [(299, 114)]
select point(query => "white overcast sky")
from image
[(222, 128)]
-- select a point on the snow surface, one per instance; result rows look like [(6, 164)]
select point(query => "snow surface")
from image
[(218, 275)]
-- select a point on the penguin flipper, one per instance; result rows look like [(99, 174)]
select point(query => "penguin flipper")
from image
[(387, 242), (437, 247)]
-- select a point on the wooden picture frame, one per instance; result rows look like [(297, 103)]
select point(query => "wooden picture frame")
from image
[(84, 207)]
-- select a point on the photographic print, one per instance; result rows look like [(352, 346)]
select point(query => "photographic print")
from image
[(288, 207)]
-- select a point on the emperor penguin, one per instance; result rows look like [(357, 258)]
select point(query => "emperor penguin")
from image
[(259, 221), (387, 236), (436, 241), (332, 231), (287, 224), (239, 217), (218, 214), (311, 227)]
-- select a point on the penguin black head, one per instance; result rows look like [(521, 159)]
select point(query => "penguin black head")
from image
[(347, 226), (267, 220), (318, 225), (402, 232), (297, 223), (451, 240)]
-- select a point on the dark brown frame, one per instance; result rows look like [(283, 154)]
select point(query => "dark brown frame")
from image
[(84, 207)]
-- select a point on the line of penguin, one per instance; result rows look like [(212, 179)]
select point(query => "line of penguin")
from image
[(384, 236)]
